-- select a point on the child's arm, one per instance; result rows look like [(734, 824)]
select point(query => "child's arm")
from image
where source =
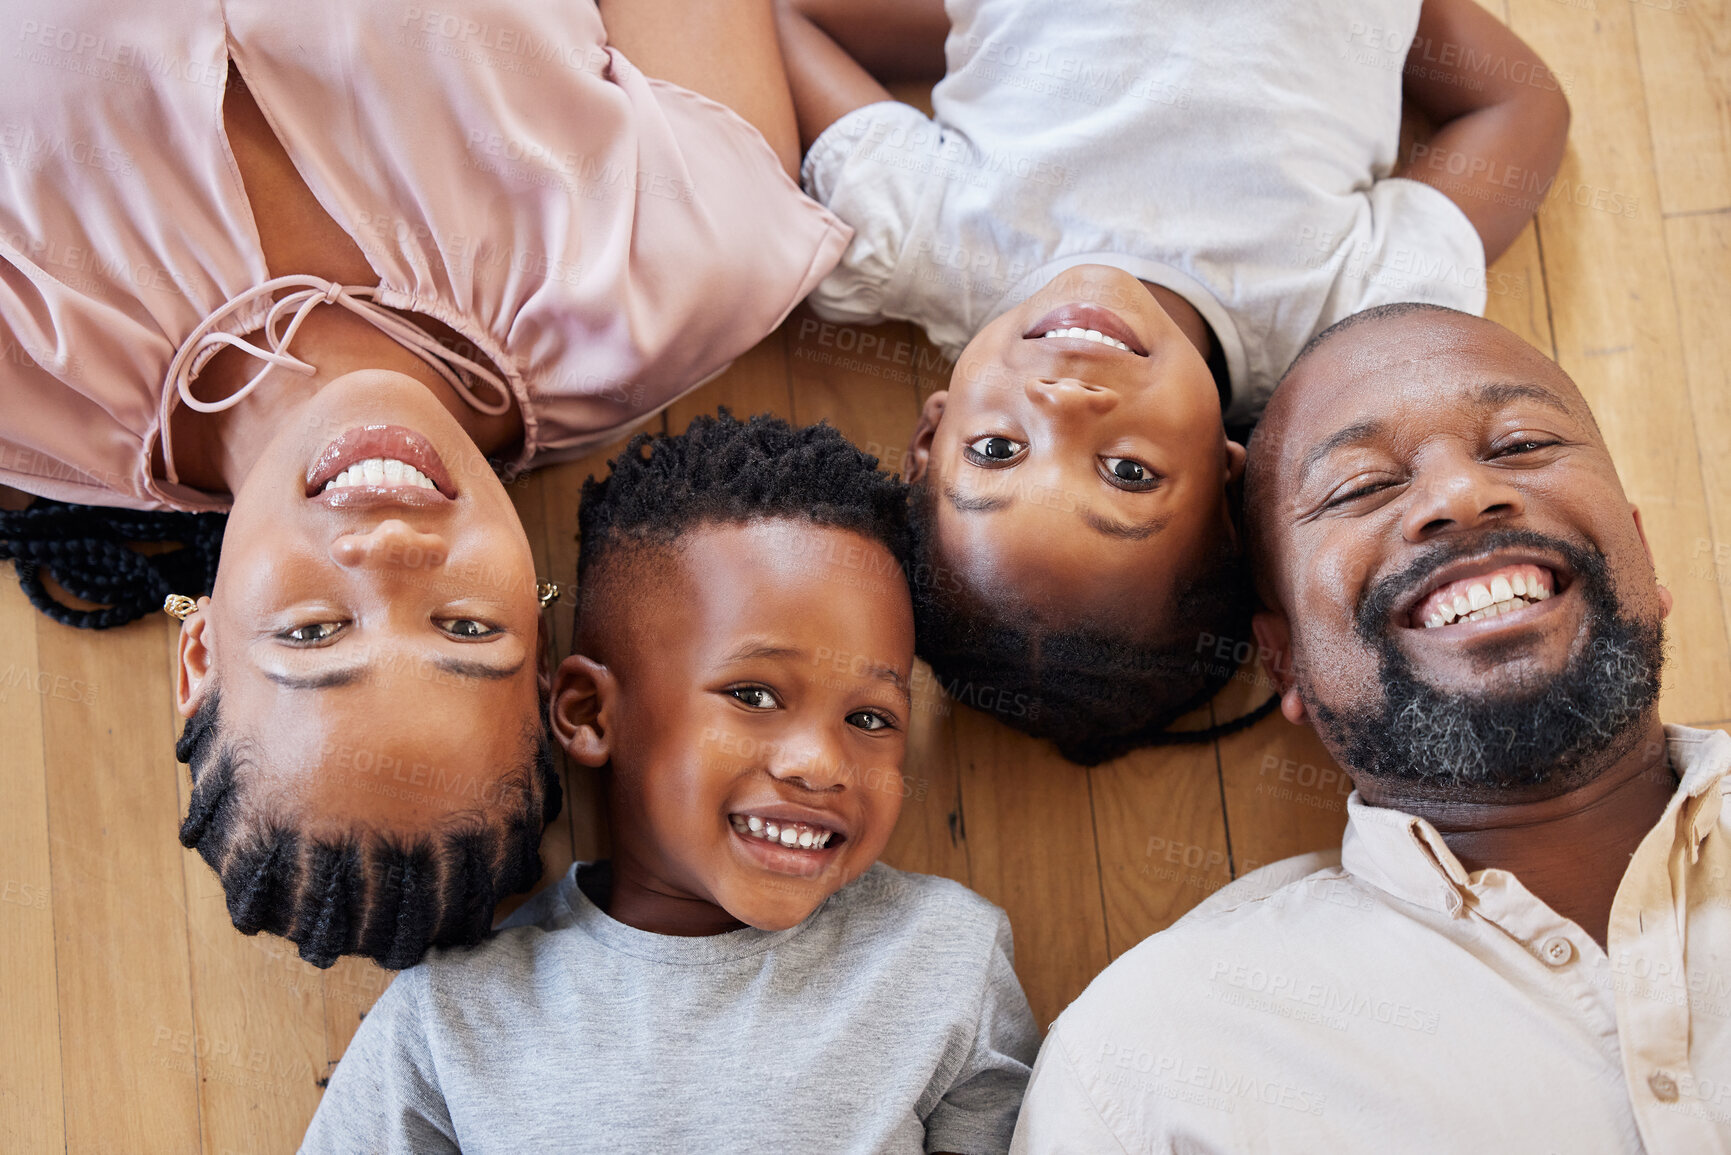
[(1501, 119), (829, 45)]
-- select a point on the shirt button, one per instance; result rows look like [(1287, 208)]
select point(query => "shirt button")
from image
[(1557, 951), (1664, 1087)]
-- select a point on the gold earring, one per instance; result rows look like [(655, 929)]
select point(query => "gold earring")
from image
[(178, 606), (547, 593)]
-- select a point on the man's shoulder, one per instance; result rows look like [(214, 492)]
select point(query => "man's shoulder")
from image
[(1246, 923)]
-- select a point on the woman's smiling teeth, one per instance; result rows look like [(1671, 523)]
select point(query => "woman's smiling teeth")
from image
[(1487, 596), (380, 471), (1088, 335), (791, 834)]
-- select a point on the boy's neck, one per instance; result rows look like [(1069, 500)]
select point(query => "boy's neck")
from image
[(634, 897)]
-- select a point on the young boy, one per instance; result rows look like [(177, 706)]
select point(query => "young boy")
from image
[(741, 975), (1123, 221)]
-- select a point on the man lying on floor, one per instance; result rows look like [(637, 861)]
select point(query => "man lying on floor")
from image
[(1524, 941)]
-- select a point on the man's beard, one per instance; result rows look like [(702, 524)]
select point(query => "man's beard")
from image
[(1558, 733)]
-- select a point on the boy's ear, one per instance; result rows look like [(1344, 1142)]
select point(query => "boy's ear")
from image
[(584, 697), (1274, 650), (196, 661), (919, 456)]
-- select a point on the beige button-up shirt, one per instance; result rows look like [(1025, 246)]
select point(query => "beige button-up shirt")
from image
[(1395, 1002)]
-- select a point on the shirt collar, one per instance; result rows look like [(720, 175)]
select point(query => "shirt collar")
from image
[(1406, 856)]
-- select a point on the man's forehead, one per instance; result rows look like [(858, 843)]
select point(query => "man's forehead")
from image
[(1373, 379)]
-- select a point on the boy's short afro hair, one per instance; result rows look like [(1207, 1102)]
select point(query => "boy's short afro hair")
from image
[(725, 471), (1093, 693)]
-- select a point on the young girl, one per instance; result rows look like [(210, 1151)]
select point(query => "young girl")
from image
[(1124, 220)]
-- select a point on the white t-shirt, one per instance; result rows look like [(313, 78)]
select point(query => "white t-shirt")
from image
[(1234, 153), (888, 1021)]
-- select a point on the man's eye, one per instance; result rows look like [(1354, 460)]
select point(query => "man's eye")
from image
[(995, 449), (1355, 491), (1128, 473), (311, 634), (466, 628), (756, 697), (1524, 445), (869, 720)]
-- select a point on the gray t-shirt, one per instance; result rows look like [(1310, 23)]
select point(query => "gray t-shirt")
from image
[(890, 1020)]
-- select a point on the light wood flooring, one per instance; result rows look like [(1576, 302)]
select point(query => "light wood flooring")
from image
[(134, 1019)]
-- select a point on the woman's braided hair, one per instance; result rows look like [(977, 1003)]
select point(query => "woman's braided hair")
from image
[(87, 550)]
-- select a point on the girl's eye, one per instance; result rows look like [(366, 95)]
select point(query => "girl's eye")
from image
[(311, 633), (1129, 473), (996, 449), (466, 628), (756, 697), (868, 720)]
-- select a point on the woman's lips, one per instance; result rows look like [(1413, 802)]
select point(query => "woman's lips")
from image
[(391, 443), (1083, 316)]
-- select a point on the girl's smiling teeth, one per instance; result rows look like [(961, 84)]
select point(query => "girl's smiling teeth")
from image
[(1088, 335), (796, 835)]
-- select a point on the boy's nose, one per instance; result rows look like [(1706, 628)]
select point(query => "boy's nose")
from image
[(812, 763)]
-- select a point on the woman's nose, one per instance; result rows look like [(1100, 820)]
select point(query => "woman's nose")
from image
[(391, 544)]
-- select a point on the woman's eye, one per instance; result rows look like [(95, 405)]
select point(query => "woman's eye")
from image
[(996, 448), (466, 628), (756, 697), (1130, 473), (868, 720), (311, 633)]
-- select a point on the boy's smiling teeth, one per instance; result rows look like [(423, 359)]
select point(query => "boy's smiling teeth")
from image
[(380, 471), (1088, 335), (791, 834), (1486, 596)]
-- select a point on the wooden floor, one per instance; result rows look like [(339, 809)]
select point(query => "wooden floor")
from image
[(134, 1019)]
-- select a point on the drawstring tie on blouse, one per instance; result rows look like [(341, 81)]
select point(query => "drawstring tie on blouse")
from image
[(309, 293)]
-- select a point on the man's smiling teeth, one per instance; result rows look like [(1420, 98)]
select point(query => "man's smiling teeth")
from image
[(1088, 335), (792, 834), (1475, 599), (380, 471)]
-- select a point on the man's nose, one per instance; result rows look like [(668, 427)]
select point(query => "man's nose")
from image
[(1070, 395), (1456, 493), (392, 544)]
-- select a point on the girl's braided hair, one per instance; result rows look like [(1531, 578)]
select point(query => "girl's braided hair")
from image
[(86, 549)]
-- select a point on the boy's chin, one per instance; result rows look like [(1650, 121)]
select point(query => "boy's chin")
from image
[(766, 910)]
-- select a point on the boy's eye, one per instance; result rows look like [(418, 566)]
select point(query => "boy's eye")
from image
[(466, 628), (311, 634), (1128, 473), (756, 697), (995, 450), (868, 720)]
